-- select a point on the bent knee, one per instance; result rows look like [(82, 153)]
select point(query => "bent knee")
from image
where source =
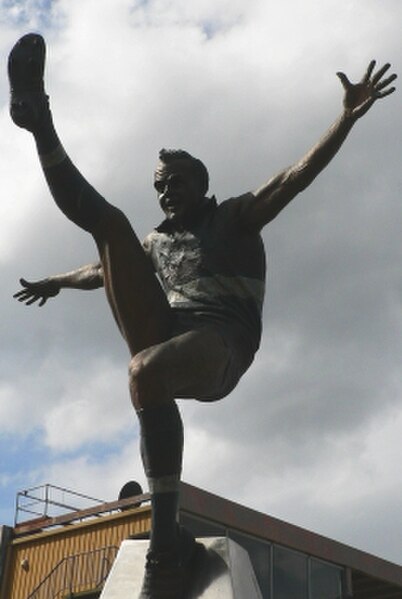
[(148, 384)]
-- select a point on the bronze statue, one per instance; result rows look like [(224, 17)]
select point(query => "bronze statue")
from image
[(193, 330)]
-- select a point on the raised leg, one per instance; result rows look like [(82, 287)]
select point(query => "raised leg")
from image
[(134, 293)]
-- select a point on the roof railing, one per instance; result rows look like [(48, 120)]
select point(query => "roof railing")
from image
[(49, 501)]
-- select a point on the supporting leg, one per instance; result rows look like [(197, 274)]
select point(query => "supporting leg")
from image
[(161, 451), (193, 364)]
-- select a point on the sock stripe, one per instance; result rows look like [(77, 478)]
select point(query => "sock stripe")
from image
[(164, 484), (53, 158)]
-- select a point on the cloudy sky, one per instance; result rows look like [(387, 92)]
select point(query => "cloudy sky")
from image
[(312, 435)]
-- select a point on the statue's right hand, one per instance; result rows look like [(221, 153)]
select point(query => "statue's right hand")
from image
[(37, 291)]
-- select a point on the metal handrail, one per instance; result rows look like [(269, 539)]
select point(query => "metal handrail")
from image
[(78, 572), (44, 497)]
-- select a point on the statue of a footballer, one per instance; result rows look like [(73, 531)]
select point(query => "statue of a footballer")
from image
[(188, 300)]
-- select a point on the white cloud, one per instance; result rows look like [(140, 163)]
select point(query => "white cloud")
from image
[(9, 414), (91, 408), (102, 478)]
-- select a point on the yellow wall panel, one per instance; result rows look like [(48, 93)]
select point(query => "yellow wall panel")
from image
[(32, 557)]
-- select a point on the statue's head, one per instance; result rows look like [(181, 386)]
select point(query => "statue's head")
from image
[(194, 165), (181, 182)]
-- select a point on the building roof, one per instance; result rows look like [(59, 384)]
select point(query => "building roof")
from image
[(371, 576)]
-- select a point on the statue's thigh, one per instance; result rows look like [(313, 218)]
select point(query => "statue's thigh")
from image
[(198, 364)]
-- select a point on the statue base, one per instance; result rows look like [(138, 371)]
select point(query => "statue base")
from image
[(225, 573)]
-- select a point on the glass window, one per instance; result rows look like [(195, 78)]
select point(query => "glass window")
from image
[(259, 552), (290, 574), (202, 528), (326, 580)]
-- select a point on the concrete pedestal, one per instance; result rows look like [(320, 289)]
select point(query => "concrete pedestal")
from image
[(226, 573)]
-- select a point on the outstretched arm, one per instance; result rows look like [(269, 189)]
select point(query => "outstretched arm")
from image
[(274, 195), (87, 277)]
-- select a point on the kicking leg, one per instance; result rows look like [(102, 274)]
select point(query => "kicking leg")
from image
[(136, 299), (134, 293)]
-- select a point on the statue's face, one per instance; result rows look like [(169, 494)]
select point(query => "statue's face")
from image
[(178, 190)]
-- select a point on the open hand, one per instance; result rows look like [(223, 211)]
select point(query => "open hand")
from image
[(37, 291), (359, 97)]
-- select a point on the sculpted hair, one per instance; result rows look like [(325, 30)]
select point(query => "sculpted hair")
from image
[(198, 167)]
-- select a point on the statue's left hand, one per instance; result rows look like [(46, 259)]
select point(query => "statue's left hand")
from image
[(359, 97)]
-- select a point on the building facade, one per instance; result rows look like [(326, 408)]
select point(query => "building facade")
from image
[(69, 555)]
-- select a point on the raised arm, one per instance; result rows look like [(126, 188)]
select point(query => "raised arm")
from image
[(86, 277), (274, 195)]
